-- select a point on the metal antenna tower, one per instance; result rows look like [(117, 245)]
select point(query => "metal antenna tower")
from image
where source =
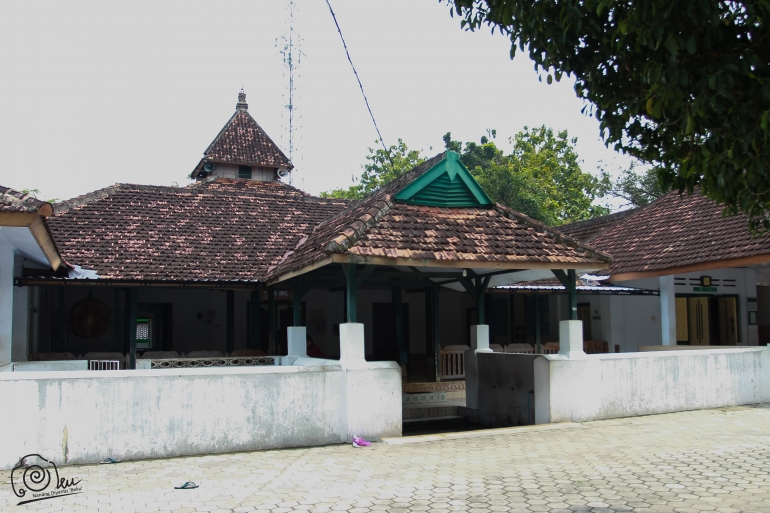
[(290, 51)]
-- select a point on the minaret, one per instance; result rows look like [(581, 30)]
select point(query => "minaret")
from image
[(243, 150)]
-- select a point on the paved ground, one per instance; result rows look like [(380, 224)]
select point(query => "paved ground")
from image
[(713, 460)]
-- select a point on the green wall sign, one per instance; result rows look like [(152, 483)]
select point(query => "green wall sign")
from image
[(704, 289)]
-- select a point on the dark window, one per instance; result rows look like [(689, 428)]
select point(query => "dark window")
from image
[(244, 171)]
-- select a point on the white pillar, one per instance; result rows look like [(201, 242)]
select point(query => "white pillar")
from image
[(668, 310), (479, 344), (297, 338), (571, 339), (6, 301), (480, 338), (352, 346)]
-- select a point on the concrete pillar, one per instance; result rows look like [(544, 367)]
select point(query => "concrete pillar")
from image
[(6, 301), (480, 338), (571, 339), (20, 328), (668, 310), (479, 344), (352, 346), (297, 341)]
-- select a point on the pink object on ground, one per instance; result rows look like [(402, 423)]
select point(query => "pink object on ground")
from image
[(360, 442)]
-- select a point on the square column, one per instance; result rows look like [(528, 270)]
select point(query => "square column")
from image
[(297, 341), (352, 347), (480, 338), (571, 339), (479, 344), (667, 311), (6, 301)]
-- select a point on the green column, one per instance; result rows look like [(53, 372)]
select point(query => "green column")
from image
[(271, 320), (256, 329), (436, 334), (572, 291), (538, 343), (230, 322), (131, 308), (481, 298), (351, 286), (116, 339), (398, 317), (297, 296), (61, 322)]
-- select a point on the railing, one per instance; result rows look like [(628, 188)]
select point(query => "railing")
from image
[(453, 358), (217, 361), (595, 346), (453, 363), (104, 365)]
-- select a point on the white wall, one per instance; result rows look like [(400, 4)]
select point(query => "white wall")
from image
[(84, 416), (623, 385), (636, 313)]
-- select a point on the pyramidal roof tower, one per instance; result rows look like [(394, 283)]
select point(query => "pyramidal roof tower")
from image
[(243, 150)]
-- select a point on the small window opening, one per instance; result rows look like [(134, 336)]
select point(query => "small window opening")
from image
[(144, 333), (244, 171)]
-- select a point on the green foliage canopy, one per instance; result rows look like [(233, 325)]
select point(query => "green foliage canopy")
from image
[(541, 177), (682, 85), (637, 189), (383, 167)]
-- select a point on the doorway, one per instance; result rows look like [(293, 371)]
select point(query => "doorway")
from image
[(384, 332), (707, 320)]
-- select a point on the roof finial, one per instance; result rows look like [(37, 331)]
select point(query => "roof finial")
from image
[(241, 105)]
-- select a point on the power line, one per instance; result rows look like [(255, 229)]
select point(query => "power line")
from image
[(360, 85)]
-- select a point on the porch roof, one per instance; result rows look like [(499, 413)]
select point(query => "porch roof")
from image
[(23, 226), (381, 230), (582, 287)]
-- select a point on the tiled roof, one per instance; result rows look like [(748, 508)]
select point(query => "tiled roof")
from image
[(586, 231), (242, 141), (378, 226), (15, 201), (214, 233), (676, 232)]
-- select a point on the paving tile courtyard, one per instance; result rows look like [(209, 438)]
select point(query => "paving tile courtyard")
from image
[(709, 460)]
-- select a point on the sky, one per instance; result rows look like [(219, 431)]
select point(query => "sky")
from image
[(94, 93)]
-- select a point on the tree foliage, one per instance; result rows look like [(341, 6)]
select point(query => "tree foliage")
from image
[(682, 85), (637, 189), (541, 177), (383, 167)]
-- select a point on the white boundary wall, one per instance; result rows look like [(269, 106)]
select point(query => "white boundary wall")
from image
[(628, 384), (85, 416)]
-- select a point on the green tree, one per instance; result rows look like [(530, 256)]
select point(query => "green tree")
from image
[(681, 85), (383, 167), (541, 177), (35, 193), (637, 189)]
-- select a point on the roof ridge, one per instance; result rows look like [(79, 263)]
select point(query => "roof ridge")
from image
[(353, 233), (222, 131), (78, 201), (65, 206), (554, 232), (22, 200)]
